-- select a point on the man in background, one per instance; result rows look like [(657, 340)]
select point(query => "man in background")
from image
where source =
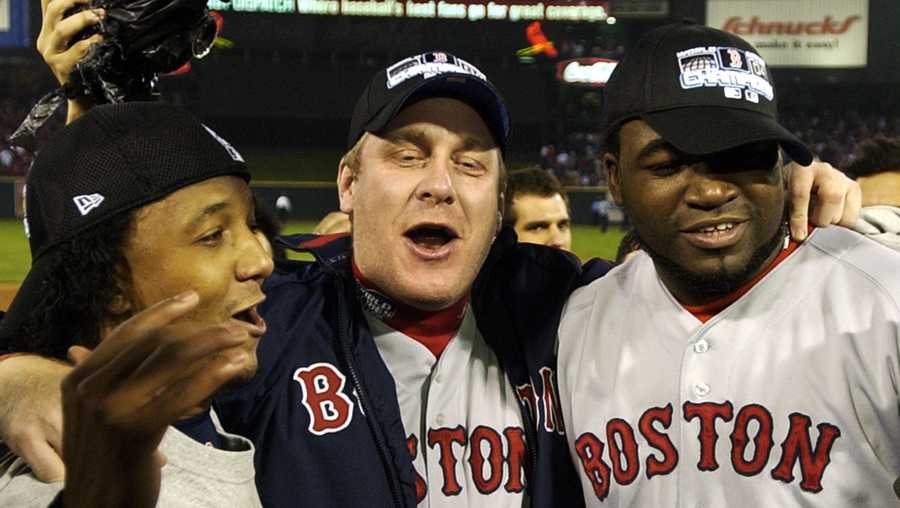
[(876, 168), (538, 209)]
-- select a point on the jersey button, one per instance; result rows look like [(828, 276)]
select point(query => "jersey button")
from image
[(701, 389), (439, 419), (701, 346)]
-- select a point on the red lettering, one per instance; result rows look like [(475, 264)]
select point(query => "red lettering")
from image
[(658, 440), (733, 25), (489, 484), (515, 458), (412, 445), (330, 410), (737, 25), (526, 395), (629, 447), (846, 24), (444, 439), (590, 450), (762, 443), (552, 421), (797, 446), (707, 412), (817, 28)]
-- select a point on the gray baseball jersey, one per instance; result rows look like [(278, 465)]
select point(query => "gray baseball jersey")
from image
[(195, 475), (787, 397), (463, 425)]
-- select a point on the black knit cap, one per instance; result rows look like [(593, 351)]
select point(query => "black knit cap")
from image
[(432, 74), (112, 160), (703, 90)]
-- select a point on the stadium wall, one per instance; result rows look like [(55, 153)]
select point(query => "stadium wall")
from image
[(313, 200)]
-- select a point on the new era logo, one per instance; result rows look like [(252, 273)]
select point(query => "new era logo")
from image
[(232, 152), (87, 202)]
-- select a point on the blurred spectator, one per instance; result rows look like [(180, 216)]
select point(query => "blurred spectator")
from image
[(833, 134), (538, 208), (600, 211), (876, 167), (283, 208)]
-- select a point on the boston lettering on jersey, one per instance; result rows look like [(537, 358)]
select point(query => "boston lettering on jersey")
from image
[(622, 447), (494, 455), (546, 412), (488, 463)]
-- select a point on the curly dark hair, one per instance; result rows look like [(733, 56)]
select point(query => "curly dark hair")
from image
[(875, 155), (87, 274)]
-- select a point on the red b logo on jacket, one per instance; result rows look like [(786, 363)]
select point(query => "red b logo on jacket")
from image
[(329, 409)]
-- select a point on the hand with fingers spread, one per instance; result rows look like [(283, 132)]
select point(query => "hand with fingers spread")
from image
[(58, 46), (820, 195), (118, 402)]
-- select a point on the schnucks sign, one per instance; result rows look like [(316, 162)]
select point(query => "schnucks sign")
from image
[(798, 33), (591, 72)]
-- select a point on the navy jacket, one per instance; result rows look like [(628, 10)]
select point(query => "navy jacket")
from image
[(354, 452), (518, 298)]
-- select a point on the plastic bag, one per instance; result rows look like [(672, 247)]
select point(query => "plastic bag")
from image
[(142, 39)]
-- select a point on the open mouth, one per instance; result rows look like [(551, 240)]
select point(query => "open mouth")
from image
[(716, 235), (431, 235), (431, 242), (725, 226), (250, 316)]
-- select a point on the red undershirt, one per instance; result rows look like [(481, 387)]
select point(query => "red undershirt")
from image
[(707, 311), (432, 329)]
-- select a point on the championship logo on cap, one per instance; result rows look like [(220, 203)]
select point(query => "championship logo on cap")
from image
[(428, 65), (740, 73)]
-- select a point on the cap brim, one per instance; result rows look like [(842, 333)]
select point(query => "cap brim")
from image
[(24, 302), (702, 130), (482, 96)]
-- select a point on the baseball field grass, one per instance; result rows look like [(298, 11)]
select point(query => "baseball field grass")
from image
[(588, 242)]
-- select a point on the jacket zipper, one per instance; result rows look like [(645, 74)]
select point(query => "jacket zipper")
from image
[(362, 395)]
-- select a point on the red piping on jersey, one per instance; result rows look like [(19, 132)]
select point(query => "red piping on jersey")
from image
[(432, 329), (320, 240), (707, 311)]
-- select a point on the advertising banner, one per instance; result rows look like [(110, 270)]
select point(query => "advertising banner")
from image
[(591, 72), (798, 33), (471, 10)]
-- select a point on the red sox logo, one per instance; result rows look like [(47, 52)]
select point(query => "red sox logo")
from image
[(330, 410)]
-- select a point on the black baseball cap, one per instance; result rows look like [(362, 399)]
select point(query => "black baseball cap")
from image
[(112, 160), (703, 90), (432, 74)]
